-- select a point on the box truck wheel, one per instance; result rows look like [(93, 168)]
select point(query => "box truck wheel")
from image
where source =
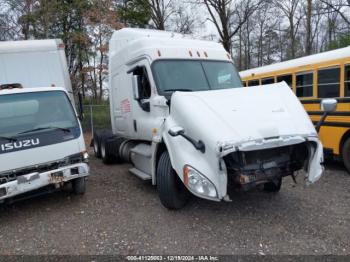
[(78, 185), (346, 154), (172, 192), (273, 186)]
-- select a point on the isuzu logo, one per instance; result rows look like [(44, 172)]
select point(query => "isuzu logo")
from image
[(19, 144)]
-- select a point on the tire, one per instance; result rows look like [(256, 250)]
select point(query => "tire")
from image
[(273, 186), (108, 153), (78, 186), (96, 144), (99, 136), (172, 192), (346, 154)]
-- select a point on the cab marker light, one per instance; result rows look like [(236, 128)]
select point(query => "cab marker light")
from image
[(206, 54), (199, 55), (159, 53), (190, 52)]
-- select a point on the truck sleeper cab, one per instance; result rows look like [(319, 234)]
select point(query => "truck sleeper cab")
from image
[(41, 142), (181, 117)]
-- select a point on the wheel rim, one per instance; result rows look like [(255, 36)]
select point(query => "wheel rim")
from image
[(95, 147), (103, 151)]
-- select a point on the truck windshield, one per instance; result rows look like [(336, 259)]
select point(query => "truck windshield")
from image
[(35, 112), (191, 75)]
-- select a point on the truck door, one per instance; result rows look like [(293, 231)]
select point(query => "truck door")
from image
[(144, 118)]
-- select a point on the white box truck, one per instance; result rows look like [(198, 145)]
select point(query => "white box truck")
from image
[(41, 141), (183, 120)]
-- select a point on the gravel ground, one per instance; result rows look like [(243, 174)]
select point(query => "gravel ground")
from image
[(120, 214)]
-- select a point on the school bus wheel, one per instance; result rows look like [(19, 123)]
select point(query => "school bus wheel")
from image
[(346, 154)]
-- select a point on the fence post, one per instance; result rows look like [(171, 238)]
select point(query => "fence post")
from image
[(91, 120)]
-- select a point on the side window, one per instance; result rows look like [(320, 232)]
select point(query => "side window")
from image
[(254, 82), (347, 80), (145, 86), (304, 84), (329, 82), (266, 81), (244, 83), (286, 78)]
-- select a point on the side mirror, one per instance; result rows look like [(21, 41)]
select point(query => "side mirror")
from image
[(176, 131), (135, 86), (329, 105), (81, 107)]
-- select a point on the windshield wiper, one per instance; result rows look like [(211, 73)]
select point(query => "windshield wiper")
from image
[(11, 139), (178, 89), (44, 128)]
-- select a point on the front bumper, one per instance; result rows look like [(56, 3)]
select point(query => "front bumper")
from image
[(36, 180)]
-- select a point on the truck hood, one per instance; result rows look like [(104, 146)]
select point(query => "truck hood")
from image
[(234, 117), (40, 155)]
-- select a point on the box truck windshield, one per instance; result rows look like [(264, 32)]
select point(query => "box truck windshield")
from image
[(25, 113), (194, 75)]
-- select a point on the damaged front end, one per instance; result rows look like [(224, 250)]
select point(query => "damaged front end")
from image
[(250, 166)]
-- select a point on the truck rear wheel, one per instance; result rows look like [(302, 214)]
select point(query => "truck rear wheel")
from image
[(99, 136), (107, 151), (346, 154), (97, 145), (78, 186), (273, 186), (172, 192)]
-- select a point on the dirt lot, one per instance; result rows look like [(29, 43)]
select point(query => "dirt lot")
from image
[(121, 214)]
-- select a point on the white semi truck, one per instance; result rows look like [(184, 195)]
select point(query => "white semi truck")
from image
[(183, 120), (41, 141)]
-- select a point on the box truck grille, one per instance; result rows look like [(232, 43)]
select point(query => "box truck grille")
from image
[(12, 175)]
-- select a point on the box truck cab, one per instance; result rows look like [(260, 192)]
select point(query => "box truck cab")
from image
[(41, 141), (182, 118)]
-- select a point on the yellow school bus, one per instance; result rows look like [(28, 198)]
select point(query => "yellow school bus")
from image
[(312, 78)]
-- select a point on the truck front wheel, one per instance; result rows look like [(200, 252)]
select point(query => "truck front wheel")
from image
[(78, 185), (172, 192)]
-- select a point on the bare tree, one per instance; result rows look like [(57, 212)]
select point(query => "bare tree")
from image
[(183, 21), (229, 16), (161, 10), (342, 7), (289, 9)]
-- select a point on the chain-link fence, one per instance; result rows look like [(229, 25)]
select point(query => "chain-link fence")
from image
[(96, 117)]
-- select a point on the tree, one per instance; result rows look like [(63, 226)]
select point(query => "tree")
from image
[(229, 16), (161, 10), (342, 7), (289, 9), (134, 12)]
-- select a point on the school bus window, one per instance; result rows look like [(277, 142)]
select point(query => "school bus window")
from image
[(253, 82), (267, 81), (329, 82), (304, 84), (347, 80), (244, 83), (286, 78)]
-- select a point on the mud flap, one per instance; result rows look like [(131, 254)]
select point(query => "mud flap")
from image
[(315, 168)]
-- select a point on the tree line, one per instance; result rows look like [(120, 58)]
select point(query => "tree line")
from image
[(255, 32)]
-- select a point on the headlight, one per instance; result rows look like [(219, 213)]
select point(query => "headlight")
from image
[(198, 183), (85, 157)]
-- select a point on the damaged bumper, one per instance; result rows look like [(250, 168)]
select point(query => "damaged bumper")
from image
[(32, 181)]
